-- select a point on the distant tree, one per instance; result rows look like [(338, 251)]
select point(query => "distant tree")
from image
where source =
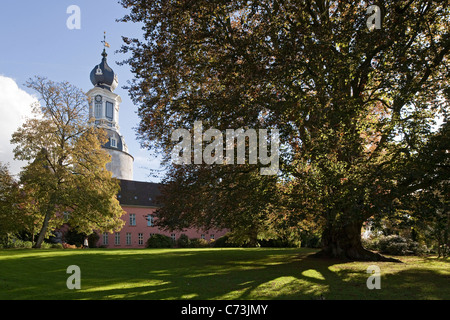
[(66, 178), (428, 207), (354, 105), (8, 207)]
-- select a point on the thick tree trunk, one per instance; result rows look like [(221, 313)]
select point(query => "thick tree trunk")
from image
[(43, 231), (344, 242)]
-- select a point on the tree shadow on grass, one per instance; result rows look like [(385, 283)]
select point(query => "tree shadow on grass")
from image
[(228, 274)]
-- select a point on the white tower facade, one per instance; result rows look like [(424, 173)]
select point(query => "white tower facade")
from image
[(104, 108)]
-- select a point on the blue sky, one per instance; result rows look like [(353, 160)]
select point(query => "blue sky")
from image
[(35, 40)]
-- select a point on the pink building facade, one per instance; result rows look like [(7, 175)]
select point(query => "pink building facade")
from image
[(138, 200)]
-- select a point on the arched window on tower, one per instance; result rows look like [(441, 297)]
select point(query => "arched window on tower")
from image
[(109, 110), (98, 107)]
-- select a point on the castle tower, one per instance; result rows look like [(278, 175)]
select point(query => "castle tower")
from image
[(104, 108)]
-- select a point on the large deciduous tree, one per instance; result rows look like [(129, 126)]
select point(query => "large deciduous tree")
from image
[(66, 178), (354, 105)]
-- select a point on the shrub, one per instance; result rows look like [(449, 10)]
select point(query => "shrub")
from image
[(417, 248), (20, 244), (224, 242), (56, 246), (279, 243), (199, 243), (183, 241), (23, 244), (395, 245), (310, 240), (159, 241)]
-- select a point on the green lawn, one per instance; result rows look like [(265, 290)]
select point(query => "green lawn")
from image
[(213, 274)]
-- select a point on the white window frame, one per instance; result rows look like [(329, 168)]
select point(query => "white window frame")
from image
[(150, 221), (98, 107), (105, 239), (109, 103), (140, 239), (117, 239), (128, 238), (132, 219)]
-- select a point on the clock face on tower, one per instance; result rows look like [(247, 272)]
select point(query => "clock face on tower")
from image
[(98, 98)]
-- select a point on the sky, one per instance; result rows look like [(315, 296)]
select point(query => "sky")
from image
[(35, 40)]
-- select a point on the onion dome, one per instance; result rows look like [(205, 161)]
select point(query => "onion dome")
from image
[(103, 76)]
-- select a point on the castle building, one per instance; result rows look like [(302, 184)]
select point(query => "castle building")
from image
[(138, 199)]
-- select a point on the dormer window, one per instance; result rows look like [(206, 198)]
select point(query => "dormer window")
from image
[(99, 71), (113, 143)]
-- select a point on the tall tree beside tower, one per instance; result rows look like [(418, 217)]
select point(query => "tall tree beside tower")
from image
[(66, 174)]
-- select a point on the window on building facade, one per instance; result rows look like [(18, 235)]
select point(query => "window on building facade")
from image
[(105, 239), (117, 239), (132, 219), (98, 110), (109, 110), (173, 236), (212, 237), (203, 236), (140, 238), (113, 143), (128, 239), (150, 221)]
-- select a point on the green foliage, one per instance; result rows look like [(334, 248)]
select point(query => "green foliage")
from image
[(183, 241), (395, 245), (11, 217), (199, 243), (354, 107), (159, 241), (228, 241), (224, 242), (66, 170), (14, 243), (18, 244)]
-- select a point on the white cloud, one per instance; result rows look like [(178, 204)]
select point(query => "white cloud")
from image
[(15, 107)]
